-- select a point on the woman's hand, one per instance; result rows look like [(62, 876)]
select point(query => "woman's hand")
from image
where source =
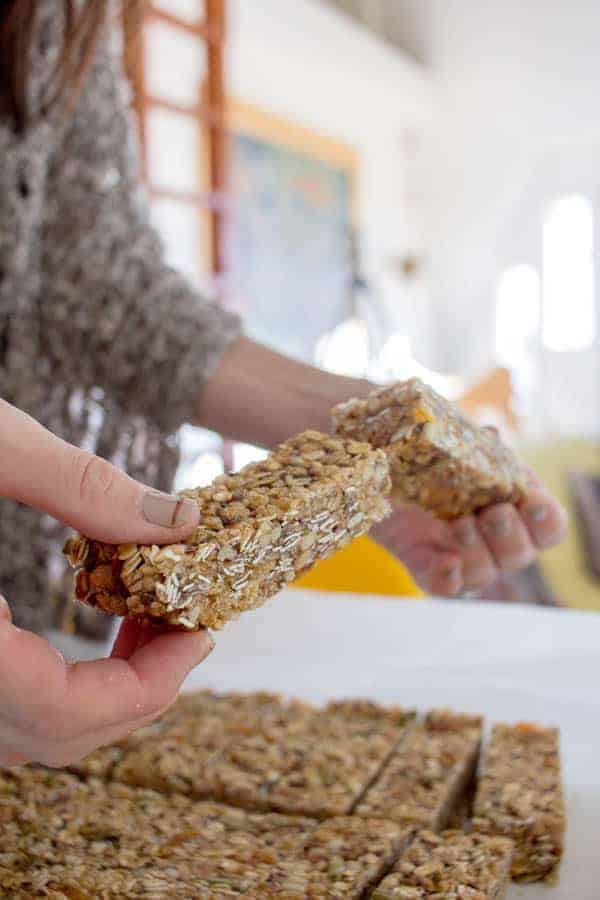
[(52, 711), (468, 554)]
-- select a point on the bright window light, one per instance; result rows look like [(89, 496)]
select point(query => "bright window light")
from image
[(346, 349), (243, 454), (199, 473), (568, 313), (518, 302), (397, 363)]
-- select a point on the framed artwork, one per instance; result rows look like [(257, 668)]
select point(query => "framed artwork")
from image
[(292, 210)]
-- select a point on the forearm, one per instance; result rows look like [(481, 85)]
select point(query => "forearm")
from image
[(260, 397)]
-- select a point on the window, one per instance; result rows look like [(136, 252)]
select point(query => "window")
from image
[(201, 457), (177, 74), (518, 300), (568, 317), (244, 454), (345, 350), (397, 363)]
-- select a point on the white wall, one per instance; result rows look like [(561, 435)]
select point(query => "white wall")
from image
[(308, 63), (517, 121)]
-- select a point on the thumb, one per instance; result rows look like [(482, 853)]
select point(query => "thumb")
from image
[(83, 490)]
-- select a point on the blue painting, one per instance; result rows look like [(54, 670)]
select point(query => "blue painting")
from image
[(288, 246)]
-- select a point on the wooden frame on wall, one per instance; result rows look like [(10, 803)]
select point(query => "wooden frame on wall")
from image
[(208, 111)]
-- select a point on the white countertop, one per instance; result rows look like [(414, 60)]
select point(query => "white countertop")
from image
[(509, 662)]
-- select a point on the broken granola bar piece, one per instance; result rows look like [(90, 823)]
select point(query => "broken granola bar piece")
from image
[(439, 459), (520, 796), (260, 529)]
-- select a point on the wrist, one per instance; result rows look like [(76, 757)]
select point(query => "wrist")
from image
[(261, 397), (316, 395)]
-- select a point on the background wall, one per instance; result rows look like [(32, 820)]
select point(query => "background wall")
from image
[(469, 117), (516, 122)]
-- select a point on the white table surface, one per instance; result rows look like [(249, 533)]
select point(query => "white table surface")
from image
[(510, 662)]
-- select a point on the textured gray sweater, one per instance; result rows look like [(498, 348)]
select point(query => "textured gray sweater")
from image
[(99, 339)]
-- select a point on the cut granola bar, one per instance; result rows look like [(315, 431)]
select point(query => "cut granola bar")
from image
[(439, 459), (520, 795), (333, 769), (341, 860), (54, 825), (61, 836), (427, 777), (268, 754), (191, 752), (64, 837), (450, 866), (259, 530)]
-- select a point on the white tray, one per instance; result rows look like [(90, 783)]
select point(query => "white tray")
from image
[(512, 663)]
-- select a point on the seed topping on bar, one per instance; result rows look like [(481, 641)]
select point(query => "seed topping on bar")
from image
[(259, 530), (520, 796), (439, 459)]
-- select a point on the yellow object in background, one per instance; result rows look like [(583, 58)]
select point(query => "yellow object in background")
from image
[(565, 566), (363, 567)]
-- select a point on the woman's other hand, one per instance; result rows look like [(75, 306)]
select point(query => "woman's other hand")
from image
[(468, 554)]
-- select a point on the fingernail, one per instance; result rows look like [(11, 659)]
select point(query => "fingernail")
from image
[(537, 513), (168, 511), (466, 534), (476, 579), (452, 578), (5, 612), (210, 645), (499, 526), (450, 574)]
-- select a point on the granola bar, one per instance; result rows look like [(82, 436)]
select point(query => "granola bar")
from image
[(268, 754), (260, 529), (439, 459), (335, 766), (191, 727), (89, 881), (335, 863), (62, 837), (343, 858), (520, 796), (425, 780), (450, 866), (53, 825), (208, 747)]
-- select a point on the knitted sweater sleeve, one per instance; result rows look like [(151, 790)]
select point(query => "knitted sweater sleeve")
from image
[(115, 315)]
